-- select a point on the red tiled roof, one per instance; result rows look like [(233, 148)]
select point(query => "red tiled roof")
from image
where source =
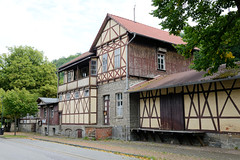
[(139, 29), (148, 31), (84, 55)]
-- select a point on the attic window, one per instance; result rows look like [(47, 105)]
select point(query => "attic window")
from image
[(161, 61), (161, 58)]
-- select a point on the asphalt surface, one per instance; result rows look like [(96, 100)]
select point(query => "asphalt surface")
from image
[(27, 149)]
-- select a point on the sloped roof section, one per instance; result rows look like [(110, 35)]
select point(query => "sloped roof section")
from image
[(185, 78), (46, 101), (84, 55), (148, 31), (139, 29)]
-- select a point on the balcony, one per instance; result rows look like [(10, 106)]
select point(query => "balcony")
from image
[(77, 84)]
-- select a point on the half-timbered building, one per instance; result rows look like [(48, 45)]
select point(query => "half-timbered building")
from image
[(92, 88), (95, 99), (189, 103)]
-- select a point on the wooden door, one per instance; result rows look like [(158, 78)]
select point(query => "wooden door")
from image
[(106, 109), (171, 110)]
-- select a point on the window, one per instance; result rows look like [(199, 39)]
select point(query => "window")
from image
[(161, 61), (68, 96), (76, 95), (86, 93), (51, 112), (85, 71), (117, 58), (119, 105), (44, 112), (60, 97), (69, 76), (93, 67), (104, 63)]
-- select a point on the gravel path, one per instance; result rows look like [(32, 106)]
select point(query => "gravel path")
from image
[(149, 149)]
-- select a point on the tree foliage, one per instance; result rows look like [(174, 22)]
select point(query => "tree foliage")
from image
[(18, 103), (59, 62), (213, 31), (25, 67)]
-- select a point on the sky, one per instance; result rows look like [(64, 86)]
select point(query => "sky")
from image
[(63, 27)]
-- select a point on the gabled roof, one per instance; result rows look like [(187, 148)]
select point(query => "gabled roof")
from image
[(46, 101), (185, 78), (139, 29), (82, 56)]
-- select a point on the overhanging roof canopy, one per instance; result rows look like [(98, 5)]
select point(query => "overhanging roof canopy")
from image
[(46, 101)]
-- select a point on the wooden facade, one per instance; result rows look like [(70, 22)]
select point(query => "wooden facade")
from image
[(113, 37), (212, 106), (143, 58), (78, 95)]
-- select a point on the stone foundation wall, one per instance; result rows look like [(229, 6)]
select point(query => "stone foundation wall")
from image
[(229, 141)]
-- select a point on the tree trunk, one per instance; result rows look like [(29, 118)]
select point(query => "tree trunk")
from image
[(15, 125)]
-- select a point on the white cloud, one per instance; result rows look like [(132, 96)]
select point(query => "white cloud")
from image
[(62, 27)]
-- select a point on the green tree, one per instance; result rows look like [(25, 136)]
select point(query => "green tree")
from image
[(18, 103), (215, 29), (2, 92), (59, 62), (26, 67)]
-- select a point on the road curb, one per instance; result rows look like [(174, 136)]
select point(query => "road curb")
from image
[(98, 149)]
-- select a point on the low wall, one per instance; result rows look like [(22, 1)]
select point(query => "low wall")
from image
[(229, 141)]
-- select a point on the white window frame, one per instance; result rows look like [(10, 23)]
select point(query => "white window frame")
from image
[(117, 58), (104, 62), (119, 105), (161, 61)]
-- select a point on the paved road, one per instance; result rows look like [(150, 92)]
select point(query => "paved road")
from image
[(27, 149)]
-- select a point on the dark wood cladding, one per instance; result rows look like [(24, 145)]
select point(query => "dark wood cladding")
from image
[(171, 107), (143, 58)]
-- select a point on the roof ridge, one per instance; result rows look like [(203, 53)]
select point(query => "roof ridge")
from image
[(139, 23)]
